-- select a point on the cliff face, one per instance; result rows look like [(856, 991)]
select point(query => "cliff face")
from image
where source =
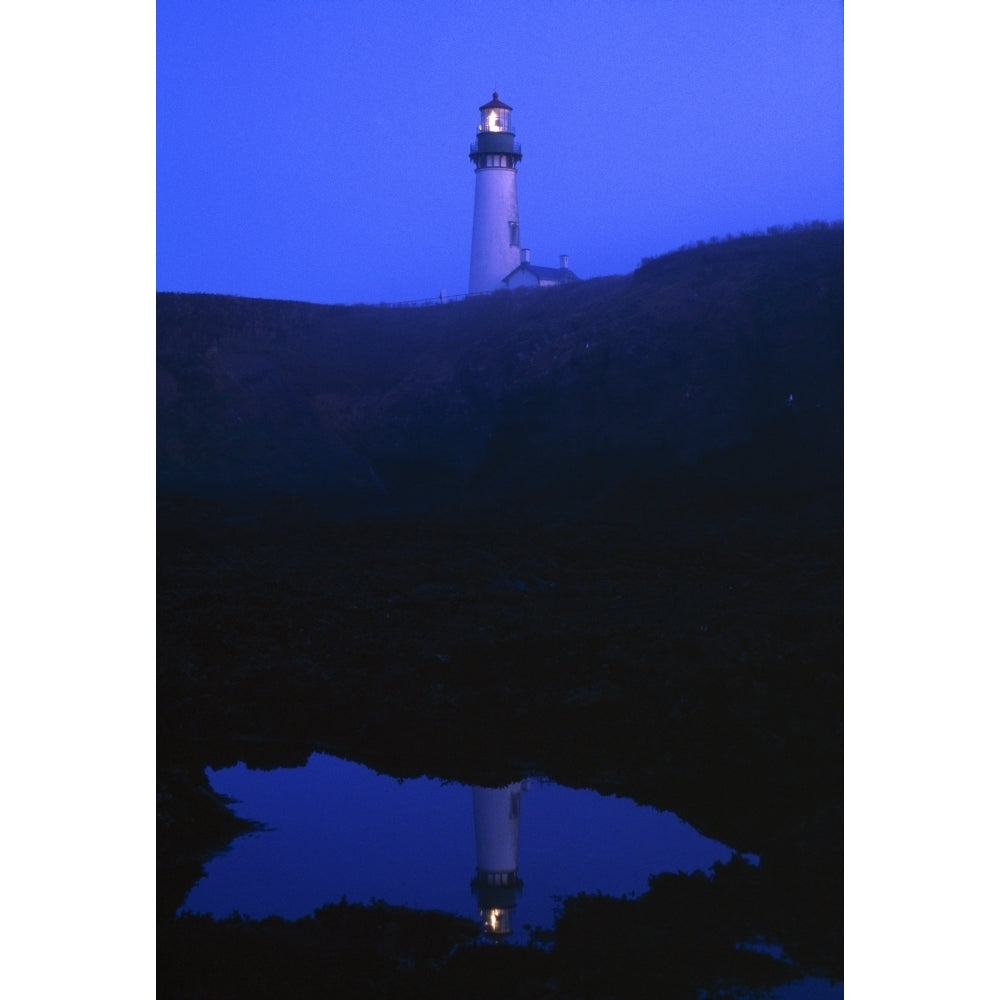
[(713, 370)]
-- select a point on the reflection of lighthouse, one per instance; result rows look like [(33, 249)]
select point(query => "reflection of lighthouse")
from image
[(496, 885)]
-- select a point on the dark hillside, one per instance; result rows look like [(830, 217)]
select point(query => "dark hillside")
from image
[(721, 361), (609, 514)]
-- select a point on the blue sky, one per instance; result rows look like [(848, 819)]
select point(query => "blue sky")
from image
[(318, 150)]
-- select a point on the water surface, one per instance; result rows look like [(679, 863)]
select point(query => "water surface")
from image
[(337, 829)]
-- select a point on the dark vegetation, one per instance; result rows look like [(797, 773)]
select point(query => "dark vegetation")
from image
[(611, 512)]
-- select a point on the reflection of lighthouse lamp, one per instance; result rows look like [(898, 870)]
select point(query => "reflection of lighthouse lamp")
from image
[(497, 813)]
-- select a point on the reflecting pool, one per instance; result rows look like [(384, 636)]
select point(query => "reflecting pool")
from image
[(337, 829)]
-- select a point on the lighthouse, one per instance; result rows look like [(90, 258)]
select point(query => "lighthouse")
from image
[(497, 814), (496, 231)]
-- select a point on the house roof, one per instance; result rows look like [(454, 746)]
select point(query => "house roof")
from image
[(557, 274)]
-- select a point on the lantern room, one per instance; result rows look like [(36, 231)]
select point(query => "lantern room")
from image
[(494, 145), (495, 116)]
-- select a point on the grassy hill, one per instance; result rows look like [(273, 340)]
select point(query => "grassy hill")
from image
[(610, 511), (574, 398)]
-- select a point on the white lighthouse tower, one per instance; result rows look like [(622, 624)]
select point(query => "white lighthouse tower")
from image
[(497, 814), (496, 231)]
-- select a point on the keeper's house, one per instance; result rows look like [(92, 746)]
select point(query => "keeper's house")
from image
[(528, 275)]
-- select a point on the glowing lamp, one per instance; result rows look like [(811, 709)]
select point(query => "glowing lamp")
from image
[(494, 116)]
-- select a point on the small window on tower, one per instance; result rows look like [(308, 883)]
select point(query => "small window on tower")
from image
[(515, 235)]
